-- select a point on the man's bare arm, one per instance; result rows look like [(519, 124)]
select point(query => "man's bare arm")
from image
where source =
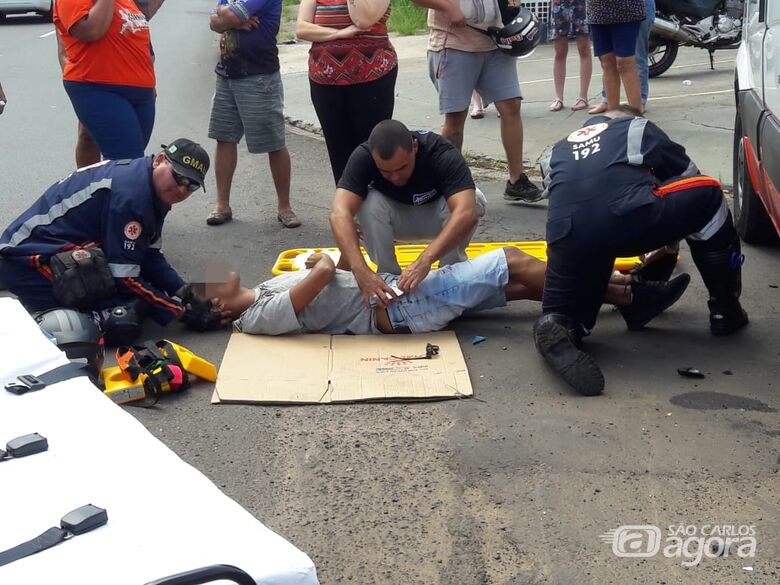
[(94, 25), (342, 222), (463, 219), (365, 13), (449, 7), (318, 278)]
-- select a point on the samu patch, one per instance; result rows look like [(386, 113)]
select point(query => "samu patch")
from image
[(586, 133), (133, 230)]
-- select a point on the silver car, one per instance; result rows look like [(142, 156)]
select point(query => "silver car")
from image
[(42, 7)]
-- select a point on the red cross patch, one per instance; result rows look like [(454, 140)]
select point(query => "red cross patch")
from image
[(133, 230)]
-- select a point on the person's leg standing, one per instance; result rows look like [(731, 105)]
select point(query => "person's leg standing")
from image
[(331, 105), (226, 127), (561, 49), (371, 103), (260, 100), (642, 48), (87, 151), (109, 116), (454, 75), (586, 69), (145, 105), (498, 83), (603, 49), (624, 39)]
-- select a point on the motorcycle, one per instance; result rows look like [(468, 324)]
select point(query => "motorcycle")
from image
[(707, 24)]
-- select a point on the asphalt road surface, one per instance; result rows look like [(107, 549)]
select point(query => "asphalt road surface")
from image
[(513, 486)]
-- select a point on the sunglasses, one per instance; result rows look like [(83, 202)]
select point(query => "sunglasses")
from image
[(184, 181)]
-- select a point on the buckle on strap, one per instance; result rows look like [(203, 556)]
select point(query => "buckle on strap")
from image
[(25, 383)]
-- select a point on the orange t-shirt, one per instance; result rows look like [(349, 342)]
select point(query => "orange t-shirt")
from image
[(121, 57)]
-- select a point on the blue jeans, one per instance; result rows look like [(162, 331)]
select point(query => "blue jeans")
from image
[(119, 117), (446, 293), (642, 46)]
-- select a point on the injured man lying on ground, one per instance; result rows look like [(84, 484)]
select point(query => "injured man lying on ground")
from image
[(323, 299)]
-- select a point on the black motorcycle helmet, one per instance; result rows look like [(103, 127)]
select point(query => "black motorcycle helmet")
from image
[(75, 333), (519, 37)]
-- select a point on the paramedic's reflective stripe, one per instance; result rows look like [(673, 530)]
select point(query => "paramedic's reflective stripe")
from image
[(151, 297), (712, 227), (156, 245), (55, 212), (636, 130), (683, 184), (124, 270)]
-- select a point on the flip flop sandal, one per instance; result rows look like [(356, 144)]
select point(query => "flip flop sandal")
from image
[(580, 104), (219, 216), (288, 219), (556, 106), (477, 114)]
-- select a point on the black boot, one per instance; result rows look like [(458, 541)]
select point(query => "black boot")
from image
[(721, 270), (650, 299), (557, 338), (122, 324)]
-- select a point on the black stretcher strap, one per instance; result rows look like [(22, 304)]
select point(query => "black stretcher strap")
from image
[(30, 383), (52, 537)]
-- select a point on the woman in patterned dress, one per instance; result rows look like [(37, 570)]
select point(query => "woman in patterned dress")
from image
[(567, 21), (352, 70)]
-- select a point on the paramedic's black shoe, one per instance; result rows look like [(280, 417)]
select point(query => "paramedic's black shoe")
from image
[(557, 339), (725, 319), (650, 299), (522, 190)]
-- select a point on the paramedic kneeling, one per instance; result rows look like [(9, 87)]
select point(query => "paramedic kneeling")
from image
[(92, 240)]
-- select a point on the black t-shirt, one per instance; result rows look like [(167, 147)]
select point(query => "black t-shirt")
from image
[(439, 171)]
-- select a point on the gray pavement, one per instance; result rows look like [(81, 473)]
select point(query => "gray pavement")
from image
[(699, 115)]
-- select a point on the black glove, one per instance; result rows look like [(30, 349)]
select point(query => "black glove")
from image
[(186, 294), (201, 318)]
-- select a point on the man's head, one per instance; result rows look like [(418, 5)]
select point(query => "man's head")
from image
[(179, 170), (393, 149)]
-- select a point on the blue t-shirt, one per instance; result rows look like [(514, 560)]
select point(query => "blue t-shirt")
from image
[(244, 53)]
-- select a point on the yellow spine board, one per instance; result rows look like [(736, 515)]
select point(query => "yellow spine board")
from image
[(292, 260)]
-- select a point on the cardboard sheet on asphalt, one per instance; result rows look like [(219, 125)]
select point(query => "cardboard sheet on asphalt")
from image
[(322, 369)]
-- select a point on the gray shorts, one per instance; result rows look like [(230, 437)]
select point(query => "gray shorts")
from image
[(456, 74), (251, 106)]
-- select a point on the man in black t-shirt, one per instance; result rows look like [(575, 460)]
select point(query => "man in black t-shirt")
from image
[(403, 186)]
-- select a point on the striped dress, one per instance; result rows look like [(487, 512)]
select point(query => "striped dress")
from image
[(366, 57)]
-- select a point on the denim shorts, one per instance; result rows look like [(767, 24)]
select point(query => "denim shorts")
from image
[(615, 38), (252, 107), (444, 295)]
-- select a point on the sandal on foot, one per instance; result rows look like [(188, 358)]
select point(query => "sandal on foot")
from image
[(288, 219), (556, 106), (599, 109), (219, 216), (477, 113), (580, 104)]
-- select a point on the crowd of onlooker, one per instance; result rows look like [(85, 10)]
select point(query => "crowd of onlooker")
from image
[(107, 64)]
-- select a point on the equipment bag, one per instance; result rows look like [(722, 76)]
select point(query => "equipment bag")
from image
[(81, 277)]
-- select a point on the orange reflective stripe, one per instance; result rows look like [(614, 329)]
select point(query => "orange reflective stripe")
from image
[(683, 184)]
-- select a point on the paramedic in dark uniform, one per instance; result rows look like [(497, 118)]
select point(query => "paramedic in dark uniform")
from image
[(117, 207), (620, 186)]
